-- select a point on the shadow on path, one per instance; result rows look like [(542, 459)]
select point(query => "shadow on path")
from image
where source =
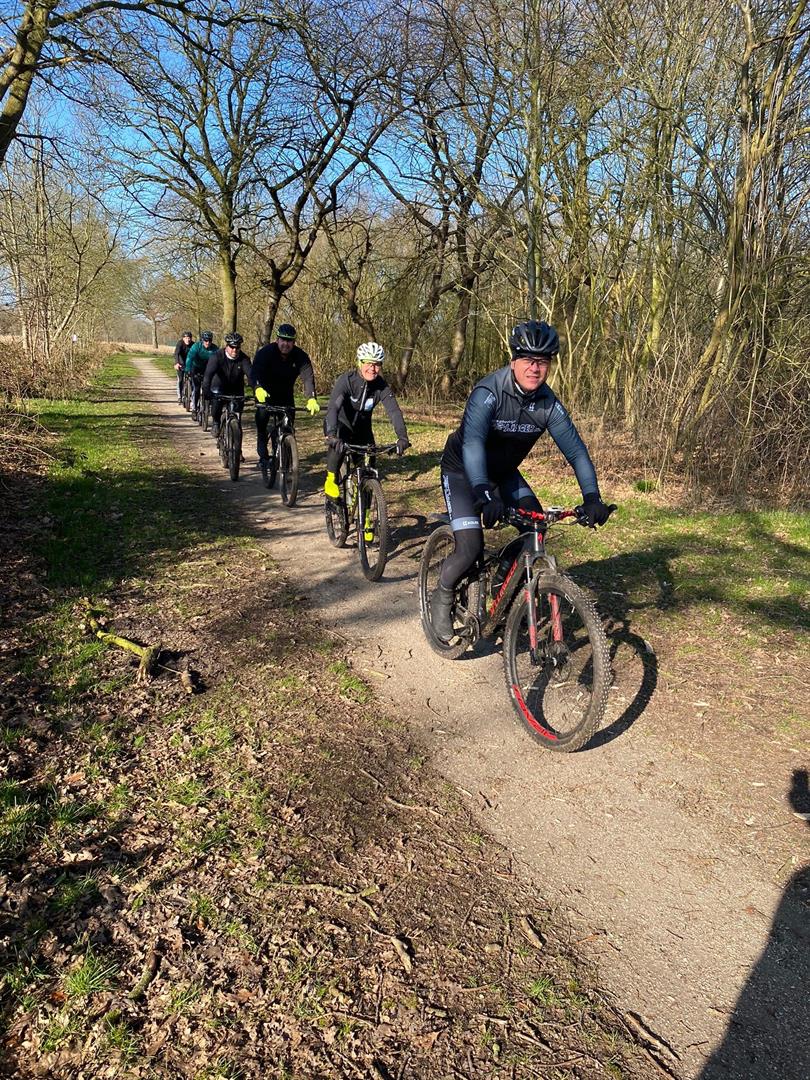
[(768, 1035)]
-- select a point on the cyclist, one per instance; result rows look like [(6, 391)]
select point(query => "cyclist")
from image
[(505, 415), (180, 353), (348, 415), (225, 373), (196, 362), (275, 369)]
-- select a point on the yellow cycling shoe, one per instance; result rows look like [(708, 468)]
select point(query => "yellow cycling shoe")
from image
[(330, 487)]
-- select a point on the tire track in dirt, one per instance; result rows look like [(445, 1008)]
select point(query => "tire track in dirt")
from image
[(629, 839)]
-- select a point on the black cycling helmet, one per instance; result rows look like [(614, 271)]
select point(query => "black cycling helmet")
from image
[(286, 332), (206, 335), (534, 339), (234, 339)]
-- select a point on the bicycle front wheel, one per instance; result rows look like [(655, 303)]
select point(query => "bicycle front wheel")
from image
[(288, 476), (234, 432), (372, 529), (205, 414), (187, 394), (559, 688)]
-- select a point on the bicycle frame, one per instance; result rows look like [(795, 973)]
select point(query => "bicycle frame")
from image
[(359, 468), (489, 615)]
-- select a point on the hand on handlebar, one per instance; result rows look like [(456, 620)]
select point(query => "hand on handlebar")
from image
[(336, 444), (402, 446), (261, 394)]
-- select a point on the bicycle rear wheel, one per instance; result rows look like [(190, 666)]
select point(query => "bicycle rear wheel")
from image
[(560, 695), (439, 545), (288, 474), (372, 529)]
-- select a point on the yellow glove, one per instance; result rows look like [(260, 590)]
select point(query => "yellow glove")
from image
[(313, 406), (261, 395)]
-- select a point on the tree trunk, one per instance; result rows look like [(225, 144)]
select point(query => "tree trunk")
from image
[(274, 295), (459, 345), (227, 280), (16, 80)]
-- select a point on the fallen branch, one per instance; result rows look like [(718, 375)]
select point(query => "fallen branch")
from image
[(148, 653)]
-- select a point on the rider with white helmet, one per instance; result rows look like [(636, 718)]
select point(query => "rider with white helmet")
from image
[(348, 416)]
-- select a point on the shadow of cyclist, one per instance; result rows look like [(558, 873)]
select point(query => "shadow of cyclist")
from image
[(768, 1035)]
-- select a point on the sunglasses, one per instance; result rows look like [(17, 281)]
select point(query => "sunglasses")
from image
[(534, 361)]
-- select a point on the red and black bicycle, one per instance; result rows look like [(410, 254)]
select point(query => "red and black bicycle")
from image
[(555, 653)]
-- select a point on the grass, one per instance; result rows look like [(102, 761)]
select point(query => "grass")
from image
[(92, 975)]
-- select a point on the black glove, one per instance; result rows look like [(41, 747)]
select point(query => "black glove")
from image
[(336, 444), (402, 446), (488, 504), (596, 512)]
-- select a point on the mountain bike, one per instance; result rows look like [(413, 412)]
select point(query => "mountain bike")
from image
[(185, 397), (203, 409), (555, 653), (229, 440), (362, 505), (283, 454)]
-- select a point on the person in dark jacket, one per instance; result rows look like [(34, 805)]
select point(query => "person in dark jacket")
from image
[(196, 362), (276, 367), (180, 353), (505, 415), (225, 373), (348, 416)]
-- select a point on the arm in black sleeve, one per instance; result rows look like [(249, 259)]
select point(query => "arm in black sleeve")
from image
[(478, 416), (210, 371), (258, 372), (394, 413), (307, 376), (246, 367), (565, 435), (339, 391)]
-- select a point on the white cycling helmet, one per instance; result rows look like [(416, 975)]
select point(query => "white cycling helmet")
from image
[(370, 351)]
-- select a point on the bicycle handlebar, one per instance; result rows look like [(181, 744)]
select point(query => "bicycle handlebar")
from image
[(226, 397), (368, 448), (513, 515)]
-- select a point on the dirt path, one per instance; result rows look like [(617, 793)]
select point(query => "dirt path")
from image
[(647, 849)]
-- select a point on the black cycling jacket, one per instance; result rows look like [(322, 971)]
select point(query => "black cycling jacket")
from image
[(230, 374), (276, 373), (501, 425), (181, 351), (353, 400)]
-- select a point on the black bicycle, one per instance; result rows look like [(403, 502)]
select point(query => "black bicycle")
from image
[(203, 409), (283, 454), (361, 505), (555, 653), (185, 396), (229, 440)]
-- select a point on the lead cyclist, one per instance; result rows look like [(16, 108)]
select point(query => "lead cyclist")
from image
[(505, 415)]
